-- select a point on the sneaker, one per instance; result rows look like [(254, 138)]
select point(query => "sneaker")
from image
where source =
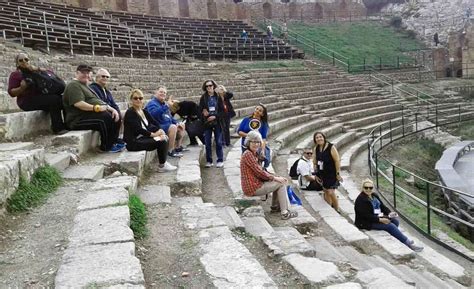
[(167, 167), (275, 209), (219, 164), (289, 214), (208, 165), (415, 248), (181, 149), (174, 154), (116, 148), (120, 141), (61, 132)]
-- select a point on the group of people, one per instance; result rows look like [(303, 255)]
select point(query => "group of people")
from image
[(90, 106)]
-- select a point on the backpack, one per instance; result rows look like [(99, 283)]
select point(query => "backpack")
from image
[(294, 170), (45, 81)]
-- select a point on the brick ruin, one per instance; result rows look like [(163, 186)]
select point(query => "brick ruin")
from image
[(308, 10)]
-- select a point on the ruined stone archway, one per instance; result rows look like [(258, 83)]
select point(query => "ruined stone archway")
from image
[(85, 3), (154, 7), (211, 9), (183, 8), (122, 5), (267, 10), (293, 11), (317, 11)]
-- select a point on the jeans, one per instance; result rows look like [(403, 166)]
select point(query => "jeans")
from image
[(208, 140), (392, 229)]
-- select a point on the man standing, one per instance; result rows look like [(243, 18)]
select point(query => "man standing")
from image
[(84, 110)]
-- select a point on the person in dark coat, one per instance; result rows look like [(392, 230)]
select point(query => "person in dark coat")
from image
[(226, 96), (189, 111), (372, 214), (142, 132)]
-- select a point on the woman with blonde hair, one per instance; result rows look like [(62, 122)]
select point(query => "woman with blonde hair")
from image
[(142, 132), (372, 214), (228, 110)]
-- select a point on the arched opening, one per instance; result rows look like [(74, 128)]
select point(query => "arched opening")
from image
[(183, 8), (154, 7), (267, 10), (122, 5), (459, 73), (448, 72), (85, 3), (211, 9), (293, 12), (317, 11)]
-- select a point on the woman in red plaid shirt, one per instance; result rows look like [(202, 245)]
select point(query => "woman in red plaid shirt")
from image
[(257, 182)]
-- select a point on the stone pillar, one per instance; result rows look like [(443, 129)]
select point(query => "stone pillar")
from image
[(440, 62), (468, 53)]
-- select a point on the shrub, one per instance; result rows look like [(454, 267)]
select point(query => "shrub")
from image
[(138, 217), (30, 194), (396, 22)]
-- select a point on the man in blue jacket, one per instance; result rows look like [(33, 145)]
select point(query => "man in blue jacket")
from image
[(159, 109)]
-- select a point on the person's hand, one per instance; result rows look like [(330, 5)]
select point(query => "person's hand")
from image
[(115, 114), (385, 221), (23, 84), (181, 126), (205, 112), (211, 118), (339, 178), (392, 215), (318, 179), (280, 180)]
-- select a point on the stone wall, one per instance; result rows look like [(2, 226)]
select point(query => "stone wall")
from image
[(468, 52)]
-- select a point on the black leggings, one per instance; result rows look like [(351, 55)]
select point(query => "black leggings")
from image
[(149, 144), (51, 103), (101, 122)]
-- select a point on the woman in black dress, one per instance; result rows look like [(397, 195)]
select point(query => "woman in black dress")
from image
[(142, 132), (327, 167)]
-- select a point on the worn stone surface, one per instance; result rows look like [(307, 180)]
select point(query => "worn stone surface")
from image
[(100, 226), (229, 263), (380, 278), (60, 161), (257, 226), (13, 146), (254, 211), (347, 231), (287, 240), (230, 217), (130, 162), (130, 183), (314, 270), (91, 173), (188, 176), (187, 201), (18, 125), (104, 198), (151, 195), (304, 219), (348, 285), (80, 141), (391, 245), (110, 264), (357, 260), (325, 251), (201, 216)]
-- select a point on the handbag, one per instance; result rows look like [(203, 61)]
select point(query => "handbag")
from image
[(210, 124), (45, 81), (194, 127), (292, 197)]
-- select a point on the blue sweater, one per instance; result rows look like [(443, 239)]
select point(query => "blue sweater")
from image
[(160, 112)]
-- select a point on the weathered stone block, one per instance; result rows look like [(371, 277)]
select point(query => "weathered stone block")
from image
[(104, 198), (314, 270), (380, 278), (130, 183), (287, 240), (18, 125), (152, 195), (201, 216), (85, 267), (84, 173), (80, 141), (230, 217)]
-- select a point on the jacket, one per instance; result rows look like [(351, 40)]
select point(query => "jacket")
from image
[(132, 125), (364, 211), (203, 104)]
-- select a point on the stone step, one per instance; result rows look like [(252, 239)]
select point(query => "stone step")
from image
[(315, 271), (294, 132), (335, 104), (327, 252), (231, 218), (84, 172), (347, 285), (19, 125), (330, 132), (257, 226), (420, 279), (78, 141), (155, 194), (316, 99), (59, 161), (133, 163), (280, 124), (324, 93), (357, 107), (266, 75), (379, 277), (104, 198), (369, 111), (232, 170), (15, 146), (287, 240), (357, 123), (391, 245), (339, 224), (188, 176), (397, 121), (293, 87), (130, 183), (322, 78), (359, 261), (16, 164), (241, 103), (351, 152), (315, 81)]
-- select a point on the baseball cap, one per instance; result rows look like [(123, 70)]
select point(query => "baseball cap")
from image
[(84, 68)]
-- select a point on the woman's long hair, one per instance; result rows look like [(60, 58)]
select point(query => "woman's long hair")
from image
[(314, 139), (264, 117), (135, 90)]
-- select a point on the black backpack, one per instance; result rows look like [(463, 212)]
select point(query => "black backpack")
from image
[(45, 81), (294, 170)]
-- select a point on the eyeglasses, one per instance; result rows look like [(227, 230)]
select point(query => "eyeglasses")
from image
[(209, 85), (255, 142), (368, 188), (105, 76), (309, 153), (23, 60), (138, 98)]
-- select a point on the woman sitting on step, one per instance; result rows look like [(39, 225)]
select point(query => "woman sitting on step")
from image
[(372, 214), (257, 182), (142, 132)]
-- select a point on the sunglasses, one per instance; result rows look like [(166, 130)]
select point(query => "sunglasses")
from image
[(138, 98), (209, 85), (309, 153), (105, 76), (23, 60), (368, 188)]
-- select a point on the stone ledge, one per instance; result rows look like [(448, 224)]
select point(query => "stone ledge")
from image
[(130, 183), (18, 125), (104, 198), (78, 141), (317, 272), (188, 176)]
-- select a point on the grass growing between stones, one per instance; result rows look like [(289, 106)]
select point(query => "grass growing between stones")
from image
[(359, 41), (138, 217), (465, 130), (32, 193)]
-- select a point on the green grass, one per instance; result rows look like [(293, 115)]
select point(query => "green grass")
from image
[(33, 193), (465, 130), (138, 217), (357, 41)]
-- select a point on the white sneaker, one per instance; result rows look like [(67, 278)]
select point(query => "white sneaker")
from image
[(167, 167), (219, 164), (208, 165)]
